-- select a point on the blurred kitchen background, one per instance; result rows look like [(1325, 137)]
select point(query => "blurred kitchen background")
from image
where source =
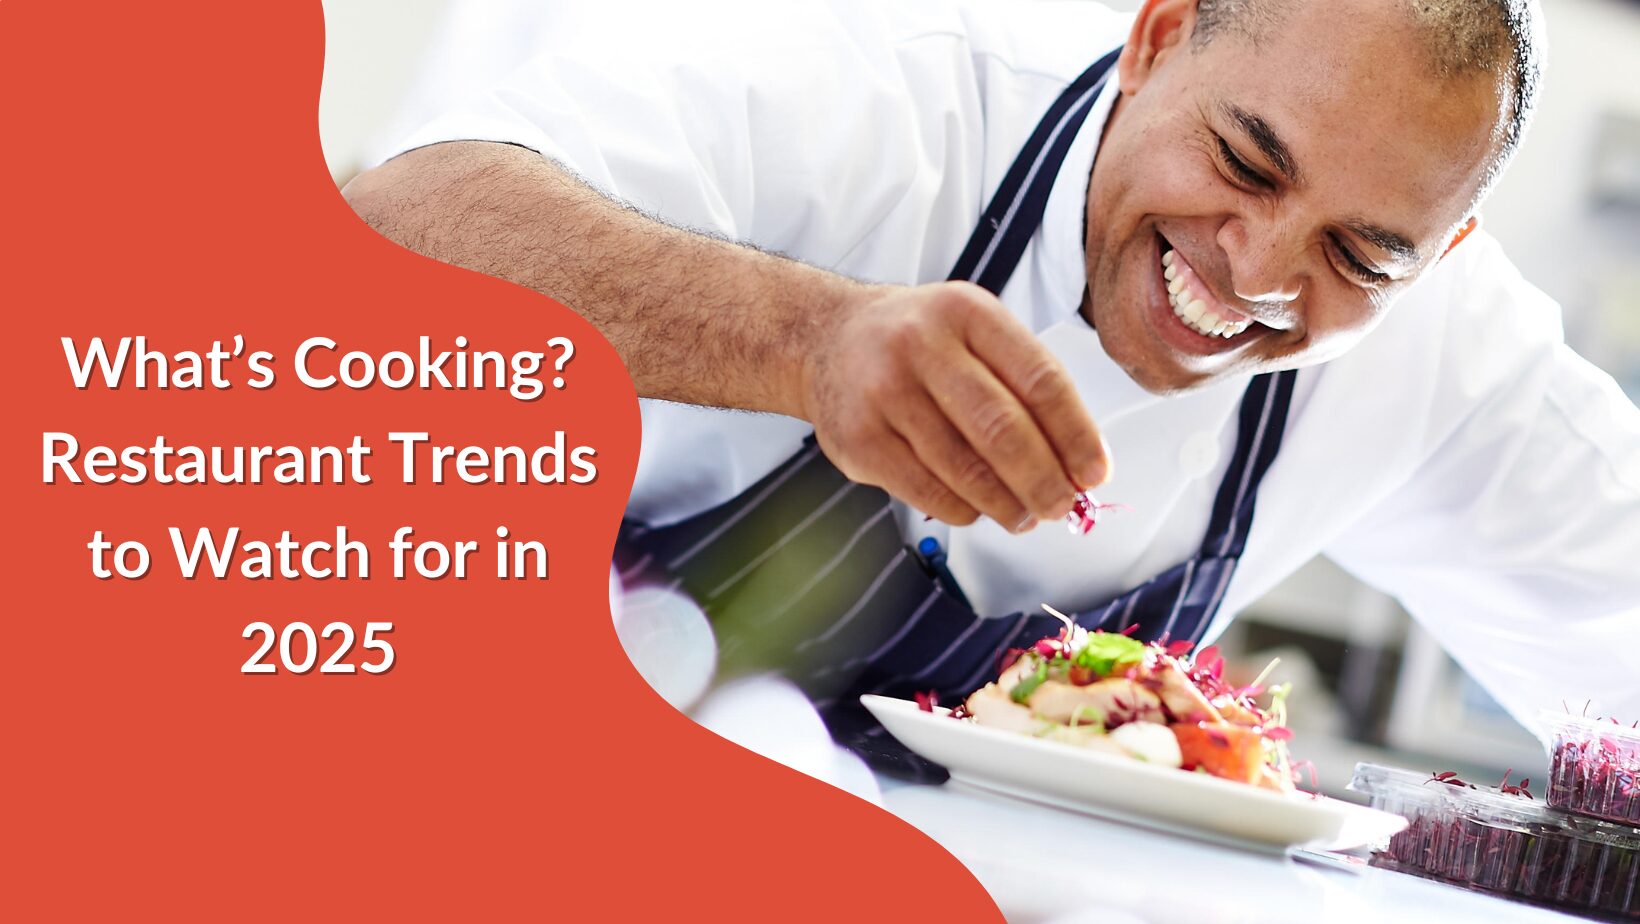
[(1374, 686)]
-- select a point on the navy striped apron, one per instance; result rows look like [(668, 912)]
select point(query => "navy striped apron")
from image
[(807, 573)]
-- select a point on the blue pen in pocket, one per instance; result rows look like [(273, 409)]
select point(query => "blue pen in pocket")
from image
[(934, 556)]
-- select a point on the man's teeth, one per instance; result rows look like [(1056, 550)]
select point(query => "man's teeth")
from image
[(1192, 310)]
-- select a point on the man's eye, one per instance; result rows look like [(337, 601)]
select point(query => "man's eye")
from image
[(1239, 167), (1354, 267)]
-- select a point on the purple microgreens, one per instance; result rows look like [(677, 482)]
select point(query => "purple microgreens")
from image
[(1548, 863), (1596, 774), (1085, 513), (1207, 673), (1308, 766), (927, 701), (1178, 648), (1519, 789), (1449, 777), (1210, 662)]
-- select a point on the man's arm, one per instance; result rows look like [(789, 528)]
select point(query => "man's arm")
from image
[(935, 393)]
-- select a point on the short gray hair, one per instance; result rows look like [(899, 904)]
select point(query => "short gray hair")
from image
[(1499, 38)]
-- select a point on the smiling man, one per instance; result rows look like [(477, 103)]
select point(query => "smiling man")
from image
[(1291, 186), (1224, 254)]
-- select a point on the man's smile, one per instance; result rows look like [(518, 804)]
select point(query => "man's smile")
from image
[(1186, 315), (1194, 303)]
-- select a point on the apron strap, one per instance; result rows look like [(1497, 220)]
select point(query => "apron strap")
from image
[(1015, 211)]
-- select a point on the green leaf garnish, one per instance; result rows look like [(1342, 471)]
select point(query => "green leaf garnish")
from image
[(1278, 703), (1022, 691), (1105, 650)]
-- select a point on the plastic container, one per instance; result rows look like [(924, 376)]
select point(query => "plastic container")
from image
[(1595, 768), (1491, 841)]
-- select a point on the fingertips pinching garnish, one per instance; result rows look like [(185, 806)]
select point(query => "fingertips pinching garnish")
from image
[(1086, 512)]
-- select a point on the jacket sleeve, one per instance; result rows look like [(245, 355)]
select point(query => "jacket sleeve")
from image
[(747, 120), (1516, 542)]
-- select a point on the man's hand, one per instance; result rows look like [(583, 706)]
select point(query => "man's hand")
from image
[(941, 397)]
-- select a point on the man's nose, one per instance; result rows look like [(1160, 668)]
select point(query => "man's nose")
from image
[(1263, 264)]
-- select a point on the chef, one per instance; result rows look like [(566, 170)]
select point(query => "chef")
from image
[(964, 259)]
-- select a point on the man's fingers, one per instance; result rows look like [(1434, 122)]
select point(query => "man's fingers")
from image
[(908, 479), (1002, 432), (944, 451), (945, 400), (1042, 384)]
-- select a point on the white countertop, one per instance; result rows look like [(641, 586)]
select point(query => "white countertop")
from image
[(1044, 864)]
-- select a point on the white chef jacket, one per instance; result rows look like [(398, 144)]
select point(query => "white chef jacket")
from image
[(1461, 458)]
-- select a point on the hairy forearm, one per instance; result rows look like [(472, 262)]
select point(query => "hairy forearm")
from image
[(695, 319)]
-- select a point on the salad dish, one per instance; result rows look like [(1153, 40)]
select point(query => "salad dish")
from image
[(1107, 692), (1145, 734)]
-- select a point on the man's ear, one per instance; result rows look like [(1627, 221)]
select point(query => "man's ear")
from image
[(1463, 232), (1160, 28)]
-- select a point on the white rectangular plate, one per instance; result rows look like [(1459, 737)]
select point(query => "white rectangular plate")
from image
[(1130, 790)]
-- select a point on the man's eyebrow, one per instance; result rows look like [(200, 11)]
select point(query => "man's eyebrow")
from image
[(1265, 139), (1397, 245)]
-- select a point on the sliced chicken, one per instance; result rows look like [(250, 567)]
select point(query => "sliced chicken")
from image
[(1183, 698), (1236, 712), (1110, 701), (992, 707), (1017, 671)]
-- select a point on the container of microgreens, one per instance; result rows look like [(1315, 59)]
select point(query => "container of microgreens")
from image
[(1503, 841), (1595, 767)]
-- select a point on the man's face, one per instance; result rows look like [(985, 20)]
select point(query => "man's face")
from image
[(1300, 182)]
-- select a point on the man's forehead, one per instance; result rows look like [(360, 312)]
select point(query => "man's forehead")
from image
[(1361, 126)]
